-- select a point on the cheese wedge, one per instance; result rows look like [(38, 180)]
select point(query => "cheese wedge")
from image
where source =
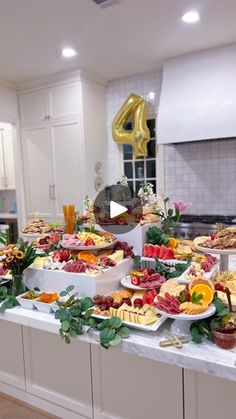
[(117, 256)]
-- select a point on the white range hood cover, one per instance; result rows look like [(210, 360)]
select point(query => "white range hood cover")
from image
[(198, 97)]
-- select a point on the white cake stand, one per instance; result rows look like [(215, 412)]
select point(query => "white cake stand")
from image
[(224, 254), (182, 322)]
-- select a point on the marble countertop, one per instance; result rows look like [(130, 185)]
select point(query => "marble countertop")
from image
[(206, 358), (8, 216)]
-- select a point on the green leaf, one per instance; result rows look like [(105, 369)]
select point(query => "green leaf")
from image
[(115, 322), (106, 335), (65, 325), (70, 288), (86, 303), (63, 294), (104, 324), (88, 313), (116, 340), (124, 332)]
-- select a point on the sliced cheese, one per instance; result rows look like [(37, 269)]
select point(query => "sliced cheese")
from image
[(117, 256)]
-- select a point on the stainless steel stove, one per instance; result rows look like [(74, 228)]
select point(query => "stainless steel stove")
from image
[(191, 226)]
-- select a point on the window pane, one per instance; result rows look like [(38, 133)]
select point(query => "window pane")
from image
[(139, 169), (131, 187), (128, 126), (151, 168), (151, 125), (128, 170), (127, 152), (153, 182), (138, 185), (151, 146)]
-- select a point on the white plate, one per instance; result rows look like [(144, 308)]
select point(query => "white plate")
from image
[(29, 304), (148, 328), (208, 275), (209, 312), (126, 282), (215, 251), (43, 307), (101, 246), (169, 262)]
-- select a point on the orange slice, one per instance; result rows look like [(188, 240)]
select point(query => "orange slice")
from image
[(173, 242), (88, 256), (205, 290), (201, 280)]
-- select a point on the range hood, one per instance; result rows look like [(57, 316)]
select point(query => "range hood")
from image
[(198, 97)]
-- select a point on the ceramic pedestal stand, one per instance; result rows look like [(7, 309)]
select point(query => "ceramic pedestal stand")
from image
[(224, 255), (182, 322)]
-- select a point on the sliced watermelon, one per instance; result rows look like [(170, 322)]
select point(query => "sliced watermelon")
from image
[(169, 254), (162, 251), (157, 251), (149, 250), (145, 250)]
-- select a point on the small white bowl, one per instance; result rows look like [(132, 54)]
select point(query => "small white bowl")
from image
[(43, 307), (26, 303)]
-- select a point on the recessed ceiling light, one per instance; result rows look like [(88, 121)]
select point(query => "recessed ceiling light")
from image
[(191, 17), (68, 52)]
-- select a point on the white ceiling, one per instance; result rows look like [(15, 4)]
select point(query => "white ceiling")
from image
[(132, 37)]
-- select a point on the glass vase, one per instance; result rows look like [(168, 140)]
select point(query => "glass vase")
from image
[(17, 285)]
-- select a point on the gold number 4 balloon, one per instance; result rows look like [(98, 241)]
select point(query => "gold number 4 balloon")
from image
[(139, 136)]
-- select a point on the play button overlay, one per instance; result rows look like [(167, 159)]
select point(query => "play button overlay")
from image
[(116, 211)]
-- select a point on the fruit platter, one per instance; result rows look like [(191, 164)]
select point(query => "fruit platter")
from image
[(146, 278), (88, 240), (135, 309), (202, 265)]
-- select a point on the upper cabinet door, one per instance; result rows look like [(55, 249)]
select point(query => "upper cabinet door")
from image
[(64, 101), (67, 161), (9, 159), (37, 160), (2, 164), (33, 107)]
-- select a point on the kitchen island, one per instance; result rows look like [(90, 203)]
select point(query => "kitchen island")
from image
[(135, 380)]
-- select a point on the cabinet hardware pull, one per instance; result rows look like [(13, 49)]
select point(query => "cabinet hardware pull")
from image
[(54, 194), (50, 192)]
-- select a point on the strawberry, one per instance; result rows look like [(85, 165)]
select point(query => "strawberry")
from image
[(148, 299), (89, 242), (153, 293), (135, 280), (213, 235), (138, 302)]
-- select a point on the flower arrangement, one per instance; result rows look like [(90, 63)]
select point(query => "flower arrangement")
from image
[(148, 197), (123, 180), (171, 214), (18, 257)]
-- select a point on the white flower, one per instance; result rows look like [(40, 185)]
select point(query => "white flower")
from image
[(123, 180)]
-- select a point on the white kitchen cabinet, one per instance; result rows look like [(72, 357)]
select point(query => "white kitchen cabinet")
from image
[(57, 372), (207, 396), (7, 164), (52, 168), (11, 359), (37, 158), (61, 152), (33, 106), (126, 386), (48, 104), (67, 165), (64, 101)]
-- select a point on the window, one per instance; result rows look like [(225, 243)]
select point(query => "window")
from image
[(143, 169)]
